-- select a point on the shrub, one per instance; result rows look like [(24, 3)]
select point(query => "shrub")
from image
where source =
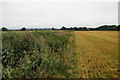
[(35, 54)]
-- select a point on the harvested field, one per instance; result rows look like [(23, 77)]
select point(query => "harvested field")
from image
[(97, 54)]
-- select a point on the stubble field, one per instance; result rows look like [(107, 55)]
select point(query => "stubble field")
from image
[(97, 54)]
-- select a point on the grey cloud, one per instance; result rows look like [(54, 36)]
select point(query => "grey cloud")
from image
[(47, 14)]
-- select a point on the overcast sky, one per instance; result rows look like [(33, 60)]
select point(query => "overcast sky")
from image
[(58, 13)]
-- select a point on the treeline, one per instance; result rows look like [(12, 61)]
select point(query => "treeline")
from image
[(100, 28)]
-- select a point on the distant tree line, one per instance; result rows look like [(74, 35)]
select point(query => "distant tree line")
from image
[(101, 28)]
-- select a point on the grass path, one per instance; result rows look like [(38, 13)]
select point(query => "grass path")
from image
[(97, 54)]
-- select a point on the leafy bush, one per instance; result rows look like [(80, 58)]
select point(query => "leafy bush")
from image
[(36, 54)]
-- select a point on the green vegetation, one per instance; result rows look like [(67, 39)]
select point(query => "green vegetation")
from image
[(60, 54), (100, 28), (37, 54), (23, 29), (4, 29)]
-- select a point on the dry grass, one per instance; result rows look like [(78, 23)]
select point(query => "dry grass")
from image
[(97, 54)]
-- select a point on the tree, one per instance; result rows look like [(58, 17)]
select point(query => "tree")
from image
[(118, 28), (23, 29), (71, 28), (53, 28), (107, 27), (85, 29), (75, 28), (63, 28), (31, 29), (4, 29)]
